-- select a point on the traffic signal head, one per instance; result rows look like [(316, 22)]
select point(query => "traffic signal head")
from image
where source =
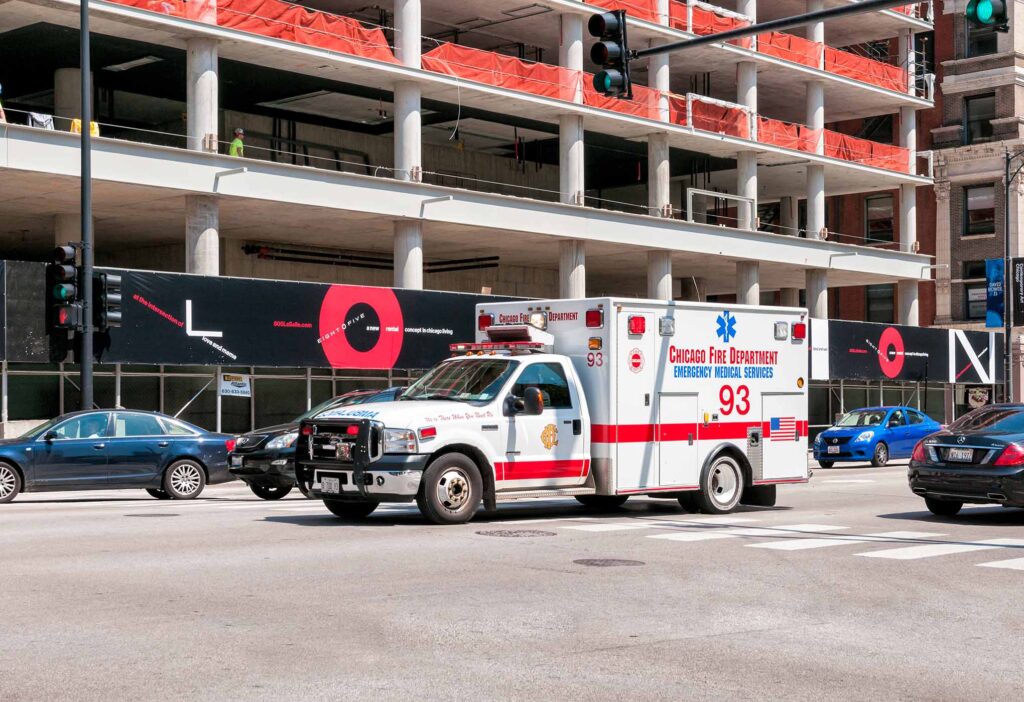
[(988, 13), (107, 308), (611, 54), (68, 316), (64, 254)]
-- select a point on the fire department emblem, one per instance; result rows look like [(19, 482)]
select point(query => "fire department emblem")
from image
[(549, 437)]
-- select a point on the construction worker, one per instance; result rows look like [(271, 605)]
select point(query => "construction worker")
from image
[(237, 147), (3, 117)]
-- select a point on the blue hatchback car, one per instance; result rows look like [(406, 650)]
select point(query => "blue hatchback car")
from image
[(873, 434), (115, 449)]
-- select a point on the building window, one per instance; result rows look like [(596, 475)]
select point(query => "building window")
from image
[(979, 210), (881, 304), (981, 41), (976, 300), (878, 216), (979, 111), (974, 270)]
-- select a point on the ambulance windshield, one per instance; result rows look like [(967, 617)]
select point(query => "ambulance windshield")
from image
[(462, 380)]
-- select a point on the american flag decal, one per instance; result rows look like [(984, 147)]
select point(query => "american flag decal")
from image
[(782, 429)]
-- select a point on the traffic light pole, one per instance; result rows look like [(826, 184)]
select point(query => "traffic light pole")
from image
[(85, 357), (1008, 273), (771, 26)]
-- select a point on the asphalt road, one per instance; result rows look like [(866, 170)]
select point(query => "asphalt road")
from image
[(848, 590)]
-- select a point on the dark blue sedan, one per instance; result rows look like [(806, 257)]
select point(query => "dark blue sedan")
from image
[(115, 449), (873, 434)]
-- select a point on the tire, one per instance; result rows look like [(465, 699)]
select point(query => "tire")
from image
[(760, 496), (690, 501), (184, 480), (350, 510), (269, 492), (721, 486), (451, 490), (602, 501), (943, 508), (158, 494), (10, 482), (826, 464), (304, 490), (881, 455)]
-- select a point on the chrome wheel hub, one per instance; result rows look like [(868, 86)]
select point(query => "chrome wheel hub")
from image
[(185, 479), (453, 489), (7, 481), (724, 483)]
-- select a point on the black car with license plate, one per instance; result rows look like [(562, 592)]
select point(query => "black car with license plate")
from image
[(265, 458), (977, 459)]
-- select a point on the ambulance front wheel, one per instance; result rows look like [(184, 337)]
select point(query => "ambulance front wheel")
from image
[(721, 486), (451, 489), (602, 501)]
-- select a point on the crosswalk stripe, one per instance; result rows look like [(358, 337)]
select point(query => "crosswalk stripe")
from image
[(773, 531), (610, 527), (850, 481), (932, 550), (805, 544), (1012, 564)]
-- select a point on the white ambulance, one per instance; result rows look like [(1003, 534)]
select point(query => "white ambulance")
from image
[(597, 399)]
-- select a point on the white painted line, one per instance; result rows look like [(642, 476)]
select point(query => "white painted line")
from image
[(849, 481), (722, 519), (702, 535), (932, 550), (611, 527), (709, 534), (1013, 564), (805, 544), (905, 535)]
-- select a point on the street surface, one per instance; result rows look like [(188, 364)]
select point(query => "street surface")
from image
[(848, 590)]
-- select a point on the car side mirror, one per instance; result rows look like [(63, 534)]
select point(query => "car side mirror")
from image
[(533, 402), (50, 436)]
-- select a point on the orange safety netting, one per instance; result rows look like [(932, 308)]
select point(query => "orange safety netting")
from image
[(282, 20), (869, 153), (710, 116), (642, 9), (645, 102), (504, 71), (860, 68), (704, 20), (787, 135), (791, 48)]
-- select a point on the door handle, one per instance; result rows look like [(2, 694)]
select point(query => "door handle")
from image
[(164, 444), (99, 446)]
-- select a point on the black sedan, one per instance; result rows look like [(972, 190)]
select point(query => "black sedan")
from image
[(977, 459), (265, 458), (112, 450)]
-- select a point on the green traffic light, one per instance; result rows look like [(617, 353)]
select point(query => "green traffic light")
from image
[(986, 12), (64, 292)]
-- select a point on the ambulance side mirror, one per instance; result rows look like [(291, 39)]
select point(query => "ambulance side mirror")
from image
[(533, 401)]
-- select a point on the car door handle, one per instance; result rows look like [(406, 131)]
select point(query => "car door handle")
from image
[(99, 446), (164, 444)]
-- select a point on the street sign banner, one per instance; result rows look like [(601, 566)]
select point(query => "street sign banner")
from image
[(994, 293), (1017, 291), (234, 385)]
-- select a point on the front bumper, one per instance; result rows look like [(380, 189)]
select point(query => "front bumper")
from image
[(394, 478), (269, 468), (1002, 485), (862, 451)]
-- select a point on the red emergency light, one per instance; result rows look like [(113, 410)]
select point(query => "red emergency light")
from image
[(799, 332), (496, 346), (484, 321), (595, 319), (637, 325), (352, 429), (307, 431)]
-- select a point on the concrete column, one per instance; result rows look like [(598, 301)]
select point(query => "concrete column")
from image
[(816, 173), (659, 77), (817, 293), (907, 57), (943, 284), (748, 286), (663, 11), (907, 307), (67, 97), (659, 275), (659, 175), (570, 48), (202, 235), (202, 94), (409, 254), (67, 228), (789, 297), (408, 32), (789, 215), (572, 269), (746, 186), (570, 159), (816, 30)]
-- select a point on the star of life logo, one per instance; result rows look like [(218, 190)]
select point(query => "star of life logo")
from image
[(726, 327)]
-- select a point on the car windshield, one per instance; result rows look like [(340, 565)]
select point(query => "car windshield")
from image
[(994, 419), (862, 418), (39, 428), (462, 380)]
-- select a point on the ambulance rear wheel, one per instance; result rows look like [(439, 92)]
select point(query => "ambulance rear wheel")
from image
[(721, 486), (602, 501), (451, 490)]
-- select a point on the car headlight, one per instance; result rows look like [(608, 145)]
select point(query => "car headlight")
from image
[(284, 441), (865, 436), (399, 441)]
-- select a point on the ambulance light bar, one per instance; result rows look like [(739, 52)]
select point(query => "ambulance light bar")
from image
[(484, 321), (492, 346), (595, 318), (799, 332)]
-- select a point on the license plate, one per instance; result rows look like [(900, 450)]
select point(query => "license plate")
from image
[(961, 455), (833, 449), (343, 452), (236, 461), (331, 486)]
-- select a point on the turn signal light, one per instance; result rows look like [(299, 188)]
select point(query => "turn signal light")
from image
[(428, 432), (799, 332), (595, 319), (1012, 455), (484, 321), (307, 431), (229, 445), (595, 343), (637, 325), (919, 453)]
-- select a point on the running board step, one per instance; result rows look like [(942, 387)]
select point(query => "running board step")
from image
[(534, 494)]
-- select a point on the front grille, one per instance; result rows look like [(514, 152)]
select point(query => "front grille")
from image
[(249, 442), (331, 446), (836, 440)]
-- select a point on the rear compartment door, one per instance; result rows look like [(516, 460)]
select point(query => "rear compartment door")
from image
[(636, 370), (783, 446), (677, 439)]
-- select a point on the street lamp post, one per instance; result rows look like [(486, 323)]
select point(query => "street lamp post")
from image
[(1008, 273), (85, 348)]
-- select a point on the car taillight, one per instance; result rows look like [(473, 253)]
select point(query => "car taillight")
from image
[(307, 431), (919, 454), (595, 319), (352, 429), (484, 321), (799, 332), (637, 324), (1012, 455), (229, 445)]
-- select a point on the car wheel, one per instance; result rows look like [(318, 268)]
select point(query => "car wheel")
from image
[(943, 508), (690, 501), (721, 486), (350, 510), (10, 482), (269, 492), (602, 501), (304, 489), (158, 494), (826, 464), (881, 455), (184, 480), (760, 496), (451, 490)]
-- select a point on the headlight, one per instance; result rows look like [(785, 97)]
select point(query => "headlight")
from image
[(284, 441), (818, 439), (865, 436), (399, 441)]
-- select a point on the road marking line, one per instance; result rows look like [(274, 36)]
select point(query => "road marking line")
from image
[(611, 527), (932, 550), (709, 534), (1013, 564), (805, 544), (848, 481)]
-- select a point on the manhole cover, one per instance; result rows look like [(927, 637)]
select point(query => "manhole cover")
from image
[(152, 515), (606, 562), (516, 533)]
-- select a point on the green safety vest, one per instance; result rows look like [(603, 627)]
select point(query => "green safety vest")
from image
[(237, 148)]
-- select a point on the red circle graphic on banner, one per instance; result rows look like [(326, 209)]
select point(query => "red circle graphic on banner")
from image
[(361, 327), (891, 339)]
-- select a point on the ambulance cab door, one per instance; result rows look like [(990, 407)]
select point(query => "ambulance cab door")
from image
[(637, 379), (677, 439), (546, 450)]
